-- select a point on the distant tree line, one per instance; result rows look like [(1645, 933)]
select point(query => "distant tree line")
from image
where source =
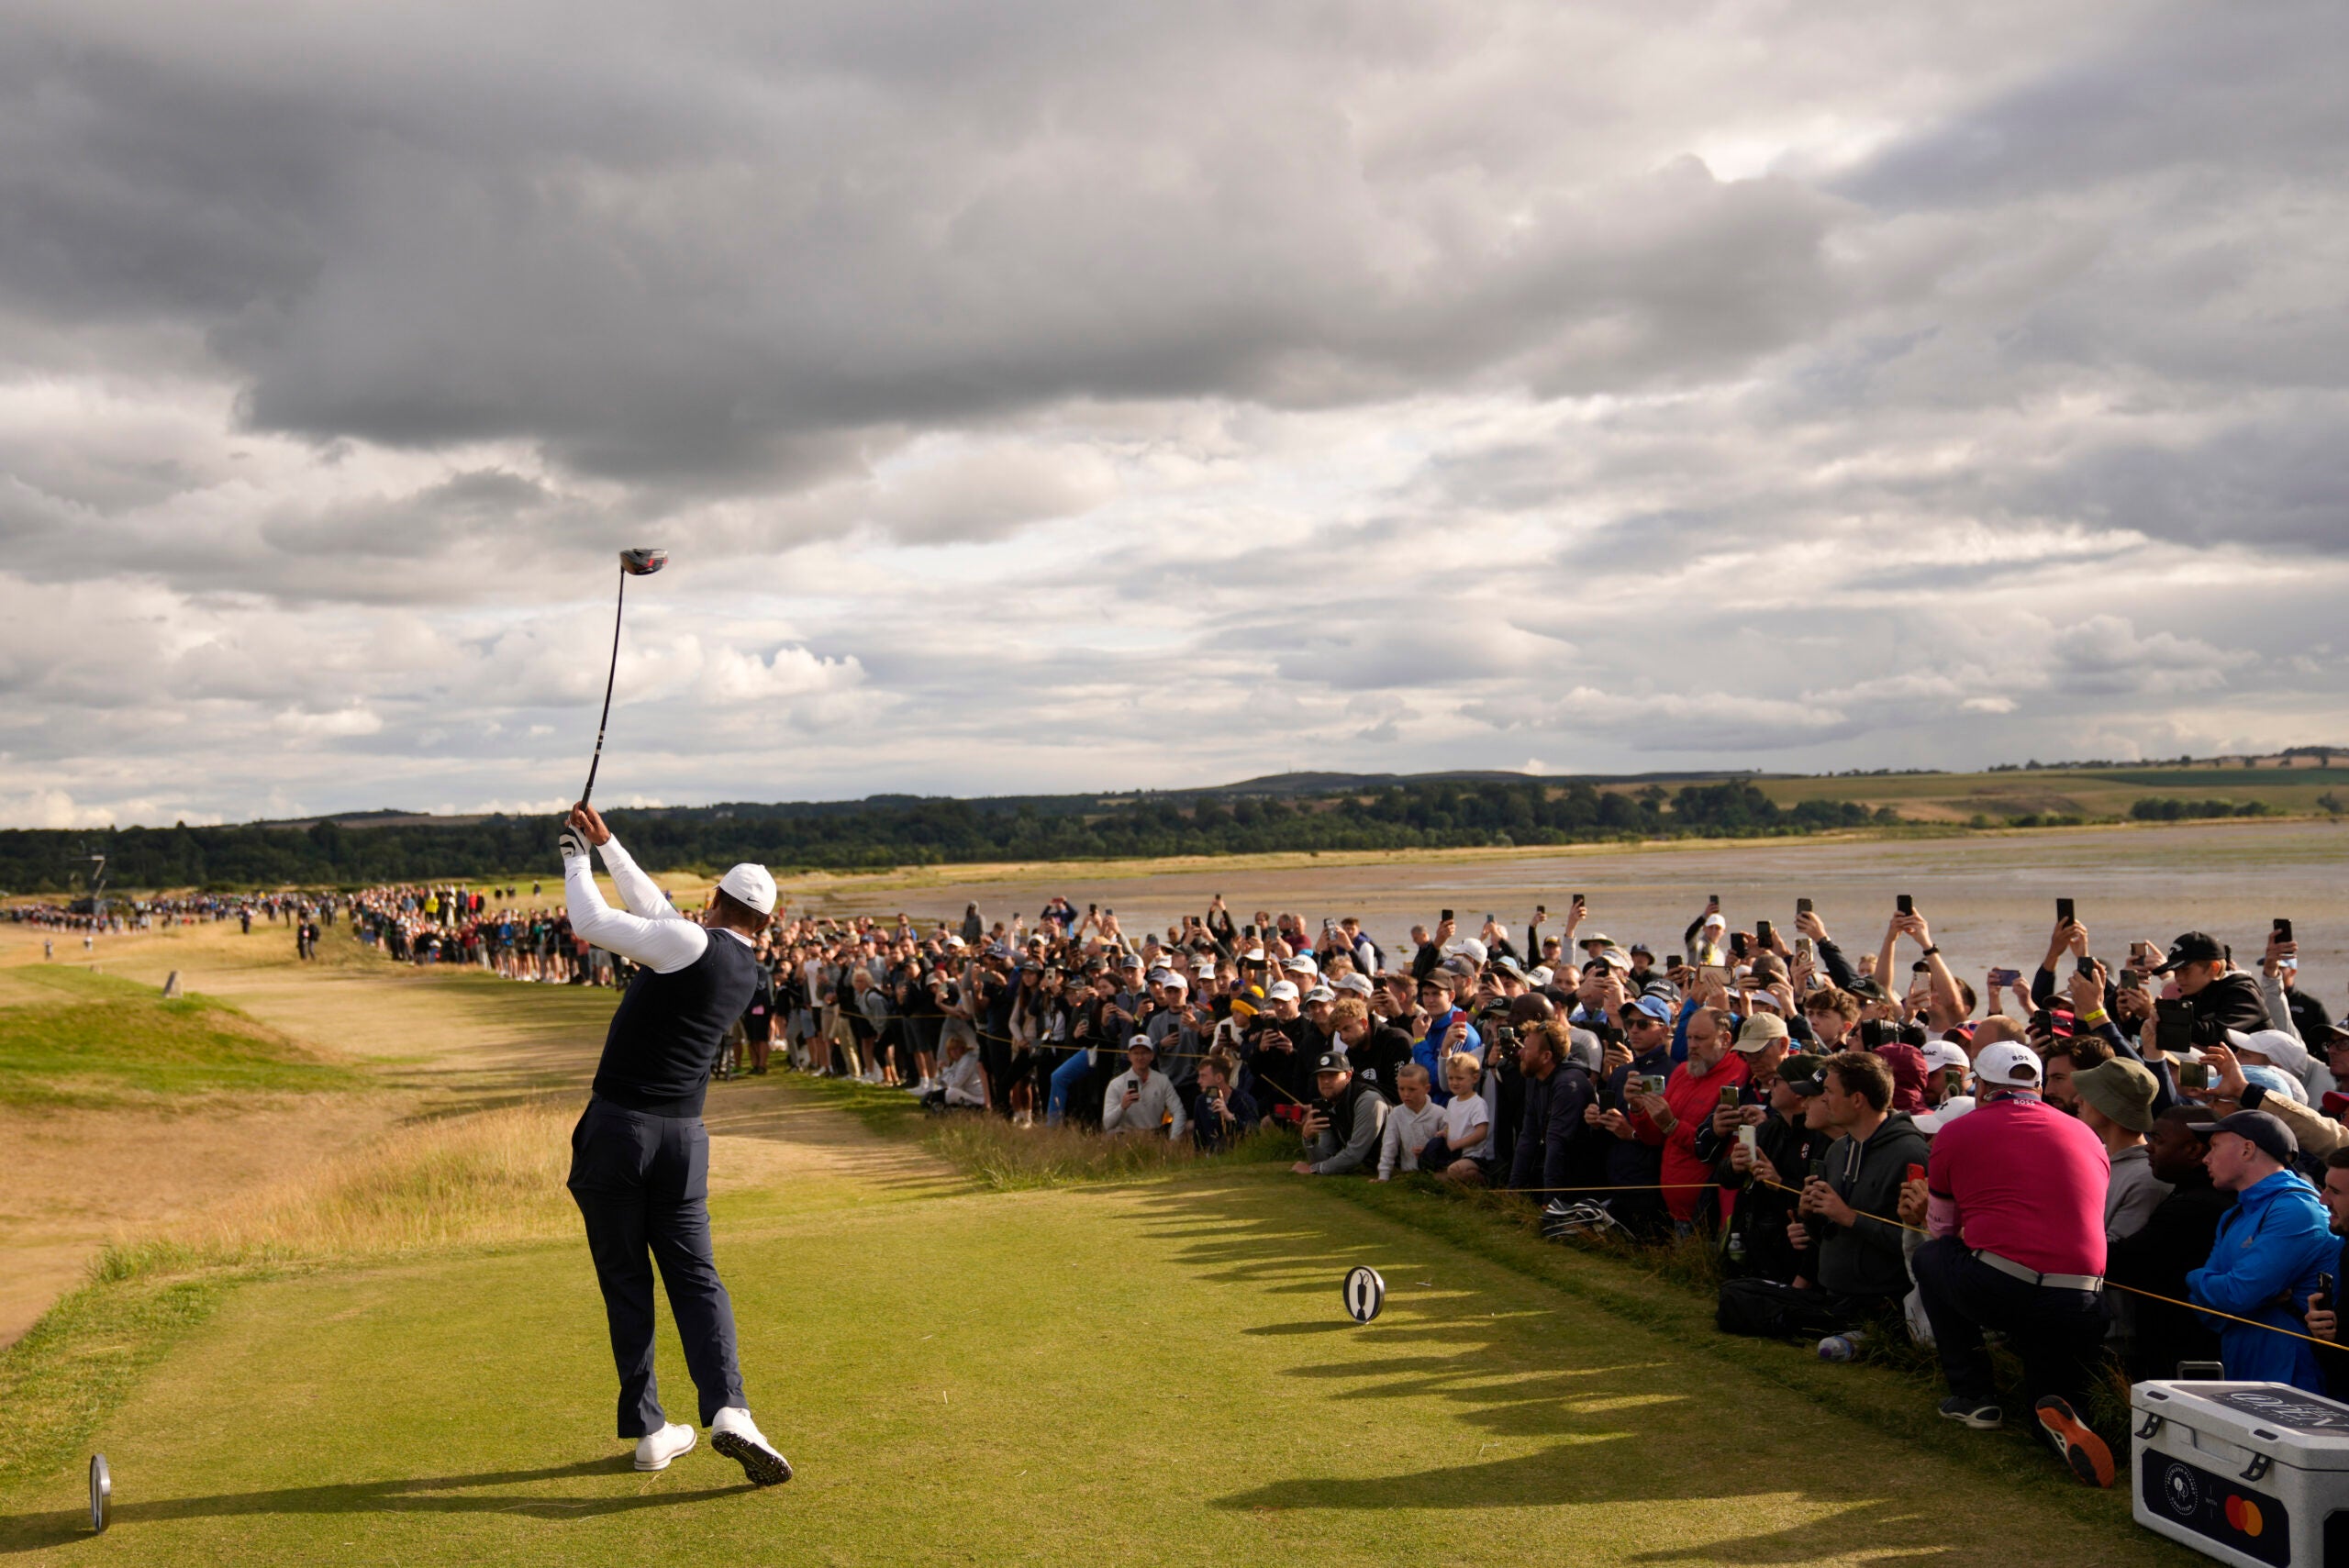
[(2164, 809), (909, 831)]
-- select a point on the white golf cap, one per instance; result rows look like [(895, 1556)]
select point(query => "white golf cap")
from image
[(750, 885), (1469, 947), (1352, 983), (1321, 994), (2008, 1065), (1940, 1053), (1300, 964), (1280, 989)]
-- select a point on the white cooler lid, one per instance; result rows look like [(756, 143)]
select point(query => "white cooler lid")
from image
[(2289, 1425)]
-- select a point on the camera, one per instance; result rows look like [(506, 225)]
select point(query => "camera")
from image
[(1875, 1032)]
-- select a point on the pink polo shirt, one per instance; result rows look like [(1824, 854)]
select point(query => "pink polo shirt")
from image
[(2028, 1183)]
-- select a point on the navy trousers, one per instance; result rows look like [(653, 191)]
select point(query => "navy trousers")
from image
[(2058, 1334), (642, 1185)]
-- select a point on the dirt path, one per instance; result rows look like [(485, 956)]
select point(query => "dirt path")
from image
[(438, 1043)]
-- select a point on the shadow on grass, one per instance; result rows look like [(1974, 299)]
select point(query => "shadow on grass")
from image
[(1592, 1411), (419, 1494)]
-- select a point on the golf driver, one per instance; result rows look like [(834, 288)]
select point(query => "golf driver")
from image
[(100, 1493), (633, 563)]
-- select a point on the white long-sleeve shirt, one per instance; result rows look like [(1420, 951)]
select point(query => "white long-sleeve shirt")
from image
[(1405, 1130), (649, 931)]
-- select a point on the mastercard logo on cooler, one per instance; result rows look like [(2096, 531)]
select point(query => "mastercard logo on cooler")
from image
[(2243, 1514)]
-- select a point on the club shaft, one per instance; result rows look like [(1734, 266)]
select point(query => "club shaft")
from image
[(618, 606)]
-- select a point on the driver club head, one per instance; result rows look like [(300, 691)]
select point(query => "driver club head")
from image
[(643, 563), (100, 1493)]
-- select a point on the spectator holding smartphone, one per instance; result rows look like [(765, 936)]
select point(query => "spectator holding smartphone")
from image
[(1140, 1100), (1226, 1112)]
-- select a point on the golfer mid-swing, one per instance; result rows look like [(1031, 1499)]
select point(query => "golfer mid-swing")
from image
[(640, 1157)]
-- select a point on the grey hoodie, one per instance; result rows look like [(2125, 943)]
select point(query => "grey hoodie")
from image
[(1865, 1259)]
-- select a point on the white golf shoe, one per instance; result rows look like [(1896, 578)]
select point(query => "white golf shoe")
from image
[(736, 1436), (655, 1450)]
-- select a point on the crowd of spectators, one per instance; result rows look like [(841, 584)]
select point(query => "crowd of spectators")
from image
[(2112, 1164)]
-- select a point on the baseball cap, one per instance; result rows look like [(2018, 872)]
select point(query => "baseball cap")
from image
[(1758, 1031), (1321, 994), (1333, 1061), (1141, 1042), (1509, 967), (1940, 1053), (1352, 983), (2008, 1065), (1462, 964), (1541, 975), (1174, 982), (2267, 1132), (1806, 1075), (1159, 974), (1615, 958), (2284, 1050), (2123, 1090), (1868, 988), (1300, 964), (1204, 965), (1469, 947), (1907, 1064), (1253, 956), (2192, 947), (750, 884), (1280, 989), (1655, 1007), (1767, 999), (1639, 948), (1132, 961)]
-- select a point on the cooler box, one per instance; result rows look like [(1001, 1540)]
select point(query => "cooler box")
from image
[(2250, 1472)]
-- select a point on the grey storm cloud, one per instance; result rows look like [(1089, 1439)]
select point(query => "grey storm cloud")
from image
[(1049, 394)]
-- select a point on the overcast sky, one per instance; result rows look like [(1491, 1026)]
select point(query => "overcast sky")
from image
[(1048, 395)]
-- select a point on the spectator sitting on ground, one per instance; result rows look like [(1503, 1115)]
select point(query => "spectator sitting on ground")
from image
[(2175, 1238), (1226, 1113), (1342, 1129), (1140, 1100), (961, 1086), (2268, 1253), (1410, 1126), (1467, 1135), (2116, 1102), (2017, 1210)]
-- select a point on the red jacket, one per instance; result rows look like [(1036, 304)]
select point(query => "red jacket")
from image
[(1692, 1099)]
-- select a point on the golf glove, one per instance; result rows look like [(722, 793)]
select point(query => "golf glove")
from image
[(571, 843)]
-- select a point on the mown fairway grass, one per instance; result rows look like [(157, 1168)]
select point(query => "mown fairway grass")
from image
[(1152, 1372), (1007, 1359), (72, 1037)]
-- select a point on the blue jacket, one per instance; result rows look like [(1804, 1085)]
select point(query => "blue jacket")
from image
[(2263, 1263), (1423, 1051)]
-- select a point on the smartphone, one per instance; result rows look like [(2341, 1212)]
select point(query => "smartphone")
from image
[(2087, 965), (1580, 900), (2282, 930), (1488, 918), (1737, 944), (1654, 1082), (1729, 1096), (1447, 914), (1805, 951), (2323, 1297), (1916, 1172), (2130, 981), (1747, 1135), (1905, 905), (2194, 1075), (1762, 932), (2064, 909), (2173, 1027), (1802, 905), (1818, 1170), (1714, 901), (1955, 1086), (2003, 976), (1541, 911)]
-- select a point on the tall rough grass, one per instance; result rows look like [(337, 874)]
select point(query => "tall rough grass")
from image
[(491, 1177), (1012, 1158)]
